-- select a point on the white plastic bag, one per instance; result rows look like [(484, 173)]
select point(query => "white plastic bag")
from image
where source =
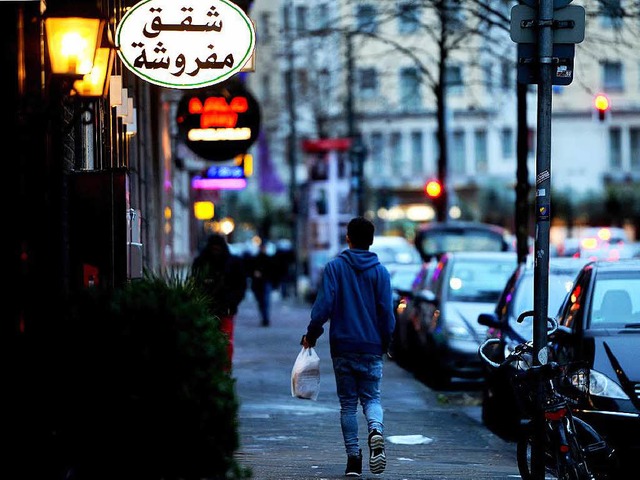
[(305, 375)]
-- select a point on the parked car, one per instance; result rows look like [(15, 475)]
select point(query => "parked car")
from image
[(499, 407), (437, 333), (599, 324), (431, 241), (434, 239), (399, 256), (394, 250)]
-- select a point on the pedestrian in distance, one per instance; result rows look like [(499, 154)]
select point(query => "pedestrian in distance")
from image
[(223, 279), (355, 296), (285, 260), (263, 275)]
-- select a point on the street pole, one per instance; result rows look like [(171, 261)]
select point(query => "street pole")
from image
[(356, 150), (291, 145), (543, 210)]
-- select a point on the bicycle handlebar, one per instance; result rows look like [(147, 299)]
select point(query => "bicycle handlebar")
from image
[(519, 350)]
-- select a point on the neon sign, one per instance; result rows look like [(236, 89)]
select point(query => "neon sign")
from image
[(219, 123)]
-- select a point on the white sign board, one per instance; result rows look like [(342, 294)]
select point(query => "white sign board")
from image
[(185, 44)]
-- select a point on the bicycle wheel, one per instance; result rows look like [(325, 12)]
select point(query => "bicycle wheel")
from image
[(601, 458), (589, 457), (524, 447)]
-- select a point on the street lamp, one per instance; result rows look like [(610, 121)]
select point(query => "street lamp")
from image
[(79, 48), (95, 84)]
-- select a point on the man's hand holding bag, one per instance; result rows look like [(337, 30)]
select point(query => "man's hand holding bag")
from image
[(305, 374)]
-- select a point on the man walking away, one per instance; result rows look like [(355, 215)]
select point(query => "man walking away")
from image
[(355, 295)]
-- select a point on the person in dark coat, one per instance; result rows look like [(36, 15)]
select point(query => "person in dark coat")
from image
[(285, 259), (223, 277), (263, 273)]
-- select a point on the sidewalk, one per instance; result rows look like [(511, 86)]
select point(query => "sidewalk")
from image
[(429, 435)]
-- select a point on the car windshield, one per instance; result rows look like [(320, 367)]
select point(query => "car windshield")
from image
[(479, 281), (616, 302), (395, 254), (460, 240), (559, 285), (402, 277)]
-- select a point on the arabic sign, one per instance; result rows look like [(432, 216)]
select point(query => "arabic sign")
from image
[(185, 44), (219, 122)]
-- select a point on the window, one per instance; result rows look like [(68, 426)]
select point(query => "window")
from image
[(612, 77), (458, 152), (611, 13), (377, 152), (480, 144), (454, 15), (634, 135), (324, 83), (301, 18), (453, 79), (408, 17), (487, 73), (395, 143), (506, 142), (265, 85), (264, 27), (367, 81), (322, 17), (302, 79), (505, 75), (416, 153), (615, 148), (410, 89), (366, 18)]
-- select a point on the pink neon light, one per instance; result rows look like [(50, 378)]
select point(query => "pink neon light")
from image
[(218, 183)]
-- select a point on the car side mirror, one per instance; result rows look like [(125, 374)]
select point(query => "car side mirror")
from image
[(489, 320)]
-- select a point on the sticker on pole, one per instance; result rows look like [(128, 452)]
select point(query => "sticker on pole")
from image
[(185, 44)]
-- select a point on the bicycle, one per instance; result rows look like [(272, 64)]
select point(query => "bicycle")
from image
[(571, 448)]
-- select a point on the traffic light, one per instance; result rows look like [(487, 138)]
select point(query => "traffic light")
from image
[(433, 189), (601, 103)]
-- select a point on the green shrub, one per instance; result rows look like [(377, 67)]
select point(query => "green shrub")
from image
[(147, 391)]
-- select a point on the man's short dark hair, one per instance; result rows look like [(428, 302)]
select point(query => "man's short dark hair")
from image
[(360, 232)]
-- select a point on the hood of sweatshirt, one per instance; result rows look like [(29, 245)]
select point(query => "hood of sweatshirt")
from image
[(360, 260)]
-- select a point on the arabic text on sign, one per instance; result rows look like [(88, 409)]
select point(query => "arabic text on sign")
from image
[(185, 45)]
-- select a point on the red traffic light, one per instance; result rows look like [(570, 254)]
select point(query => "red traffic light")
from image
[(433, 189), (601, 103)]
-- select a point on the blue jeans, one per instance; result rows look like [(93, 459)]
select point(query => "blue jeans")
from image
[(358, 377)]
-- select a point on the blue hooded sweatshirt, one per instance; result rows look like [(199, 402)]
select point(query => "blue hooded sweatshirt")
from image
[(355, 295)]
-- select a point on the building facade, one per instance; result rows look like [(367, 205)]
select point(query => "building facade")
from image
[(386, 66)]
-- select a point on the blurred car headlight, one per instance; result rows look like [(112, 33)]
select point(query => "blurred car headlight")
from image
[(602, 386)]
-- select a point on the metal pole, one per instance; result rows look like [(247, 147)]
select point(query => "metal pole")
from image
[(291, 146), (543, 208), (356, 151)]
